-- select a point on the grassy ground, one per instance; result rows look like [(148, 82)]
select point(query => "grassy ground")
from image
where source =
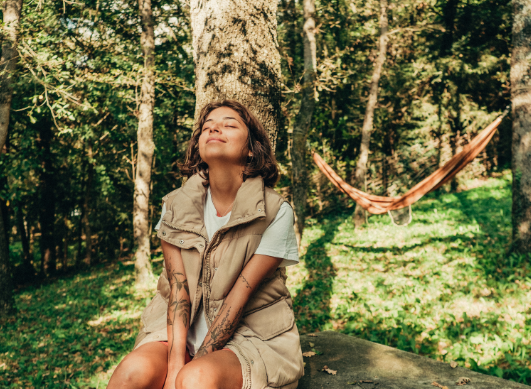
[(441, 287)]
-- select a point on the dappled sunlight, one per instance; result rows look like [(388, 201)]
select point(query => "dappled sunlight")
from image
[(75, 331), (442, 287)]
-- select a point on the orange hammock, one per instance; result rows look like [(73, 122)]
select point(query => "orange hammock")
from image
[(379, 205)]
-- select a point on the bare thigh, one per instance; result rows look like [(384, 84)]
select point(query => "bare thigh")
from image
[(218, 370), (143, 368)]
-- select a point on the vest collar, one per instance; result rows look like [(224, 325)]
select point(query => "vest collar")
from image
[(189, 204)]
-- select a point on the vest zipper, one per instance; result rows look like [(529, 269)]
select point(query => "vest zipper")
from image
[(216, 239)]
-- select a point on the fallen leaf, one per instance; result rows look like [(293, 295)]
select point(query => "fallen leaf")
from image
[(312, 335), (439, 385), (309, 354), (311, 344), (463, 381), (329, 371)]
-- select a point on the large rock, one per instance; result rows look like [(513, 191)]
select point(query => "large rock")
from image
[(358, 360)]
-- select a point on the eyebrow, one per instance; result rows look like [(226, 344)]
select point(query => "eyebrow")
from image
[(226, 117)]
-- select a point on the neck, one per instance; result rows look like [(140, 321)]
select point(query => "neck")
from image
[(224, 184)]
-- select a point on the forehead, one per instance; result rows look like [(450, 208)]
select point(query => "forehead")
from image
[(220, 113)]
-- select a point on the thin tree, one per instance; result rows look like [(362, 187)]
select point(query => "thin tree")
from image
[(146, 147), (303, 119), (236, 56), (47, 199), (361, 166), (8, 61), (521, 148)]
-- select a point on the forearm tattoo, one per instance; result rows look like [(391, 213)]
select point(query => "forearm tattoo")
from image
[(245, 281), (178, 307), (220, 332)]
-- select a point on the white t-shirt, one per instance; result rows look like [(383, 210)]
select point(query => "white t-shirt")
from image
[(278, 240)]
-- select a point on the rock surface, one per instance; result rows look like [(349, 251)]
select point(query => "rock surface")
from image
[(388, 368)]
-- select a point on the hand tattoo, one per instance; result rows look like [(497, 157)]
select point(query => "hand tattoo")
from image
[(245, 281)]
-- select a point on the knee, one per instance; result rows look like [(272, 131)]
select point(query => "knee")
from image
[(131, 373), (193, 376)]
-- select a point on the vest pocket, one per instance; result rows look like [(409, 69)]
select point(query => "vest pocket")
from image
[(154, 316), (271, 321)]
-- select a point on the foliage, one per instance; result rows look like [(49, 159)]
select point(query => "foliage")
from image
[(79, 79), (441, 287), (445, 78)]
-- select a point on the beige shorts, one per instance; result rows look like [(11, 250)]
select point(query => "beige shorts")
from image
[(254, 372)]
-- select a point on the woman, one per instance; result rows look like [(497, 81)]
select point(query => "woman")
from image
[(222, 316)]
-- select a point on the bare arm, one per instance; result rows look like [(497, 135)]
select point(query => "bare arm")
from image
[(178, 311), (228, 317)]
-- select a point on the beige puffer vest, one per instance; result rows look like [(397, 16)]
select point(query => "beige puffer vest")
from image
[(266, 341)]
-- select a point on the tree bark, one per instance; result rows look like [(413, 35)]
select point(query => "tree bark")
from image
[(7, 303), (236, 56), (86, 208), (456, 127), (361, 167), (28, 269), (521, 147), (146, 147), (8, 61), (47, 201), (303, 120)]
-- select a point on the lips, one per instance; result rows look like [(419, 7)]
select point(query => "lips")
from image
[(215, 140)]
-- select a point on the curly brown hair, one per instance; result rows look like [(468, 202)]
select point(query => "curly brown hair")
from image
[(262, 163)]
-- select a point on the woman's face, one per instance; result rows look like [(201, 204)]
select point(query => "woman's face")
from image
[(223, 137)]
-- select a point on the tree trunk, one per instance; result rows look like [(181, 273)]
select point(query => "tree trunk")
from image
[(236, 56), (521, 148), (7, 303), (303, 120), (456, 127), (47, 201), (86, 208), (8, 61), (388, 149), (62, 246), (146, 148), (28, 268), (361, 167)]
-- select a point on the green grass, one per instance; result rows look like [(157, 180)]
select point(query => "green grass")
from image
[(441, 287), (73, 332)]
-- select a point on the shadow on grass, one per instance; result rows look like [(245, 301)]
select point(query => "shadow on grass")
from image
[(488, 265), (312, 303), (70, 330)]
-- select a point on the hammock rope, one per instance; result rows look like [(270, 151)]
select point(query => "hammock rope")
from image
[(379, 204)]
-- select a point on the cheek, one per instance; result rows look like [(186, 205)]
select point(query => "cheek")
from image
[(240, 140), (201, 143)]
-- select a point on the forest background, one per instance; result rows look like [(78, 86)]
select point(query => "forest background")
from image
[(68, 166)]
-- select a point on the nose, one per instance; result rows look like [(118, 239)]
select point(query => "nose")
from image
[(214, 127)]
